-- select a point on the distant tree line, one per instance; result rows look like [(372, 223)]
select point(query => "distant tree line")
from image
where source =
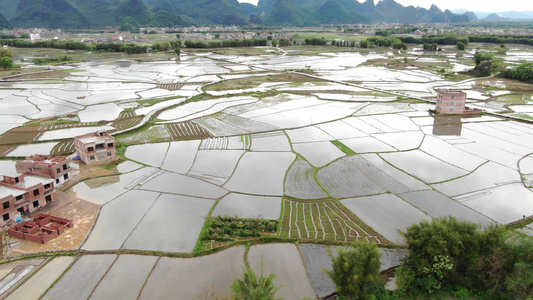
[(316, 42), (226, 44), (435, 39), (71, 45), (383, 42), (465, 39)]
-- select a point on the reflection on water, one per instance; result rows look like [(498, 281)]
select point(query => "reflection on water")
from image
[(102, 181), (124, 63), (447, 125)]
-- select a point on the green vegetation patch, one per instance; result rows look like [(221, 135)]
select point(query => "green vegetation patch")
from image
[(226, 229), (255, 81), (514, 99), (343, 147), (145, 134), (523, 116)]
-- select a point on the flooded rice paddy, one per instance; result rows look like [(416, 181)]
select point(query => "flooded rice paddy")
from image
[(331, 159)]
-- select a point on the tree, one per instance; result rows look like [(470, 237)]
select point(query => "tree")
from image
[(461, 46), (356, 270), (480, 57), (524, 72), (431, 47), (252, 288), (6, 62), (5, 52), (432, 243)]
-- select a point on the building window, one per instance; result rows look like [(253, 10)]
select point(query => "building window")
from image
[(91, 157), (36, 192), (17, 180), (58, 170), (109, 153), (65, 167), (5, 205), (90, 149), (5, 217), (57, 181), (18, 198), (47, 186), (65, 176), (110, 145), (35, 204)]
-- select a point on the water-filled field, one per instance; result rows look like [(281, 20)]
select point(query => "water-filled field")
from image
[(337, 152)]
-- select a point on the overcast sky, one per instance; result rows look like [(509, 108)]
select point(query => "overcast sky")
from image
[(473, 5)]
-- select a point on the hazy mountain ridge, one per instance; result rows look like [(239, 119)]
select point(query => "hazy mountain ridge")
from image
[(101, 13), (519, 15), (4, 23), (49, 13)]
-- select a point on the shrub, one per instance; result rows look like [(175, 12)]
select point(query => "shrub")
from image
[(356, 270)]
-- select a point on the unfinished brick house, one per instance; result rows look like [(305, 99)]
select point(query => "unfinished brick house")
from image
[(453, 102), (95, 147), (42, 229), (22, 194), (55, 167)]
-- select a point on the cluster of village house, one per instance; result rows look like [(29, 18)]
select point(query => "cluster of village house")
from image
[(37, 176)]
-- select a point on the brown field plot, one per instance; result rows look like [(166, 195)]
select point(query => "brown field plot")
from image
[(324, 220), (187, 131), (64, 147)]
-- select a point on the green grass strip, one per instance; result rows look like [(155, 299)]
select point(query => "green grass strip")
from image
[(343, 147)]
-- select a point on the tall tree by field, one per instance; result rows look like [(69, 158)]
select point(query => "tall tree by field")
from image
[(251, 287), (6, 62), (356, 270), (449, 255)]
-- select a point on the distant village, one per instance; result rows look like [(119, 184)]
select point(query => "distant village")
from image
[(207, 33)]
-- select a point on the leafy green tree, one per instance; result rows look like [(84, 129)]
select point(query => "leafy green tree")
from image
[(356, 270), (250, 287), (524, 72), (481, 57), (6, 62), (431, 47), (6, 52), (461, 46), (447, 252), (506, 272), (431, 244)]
